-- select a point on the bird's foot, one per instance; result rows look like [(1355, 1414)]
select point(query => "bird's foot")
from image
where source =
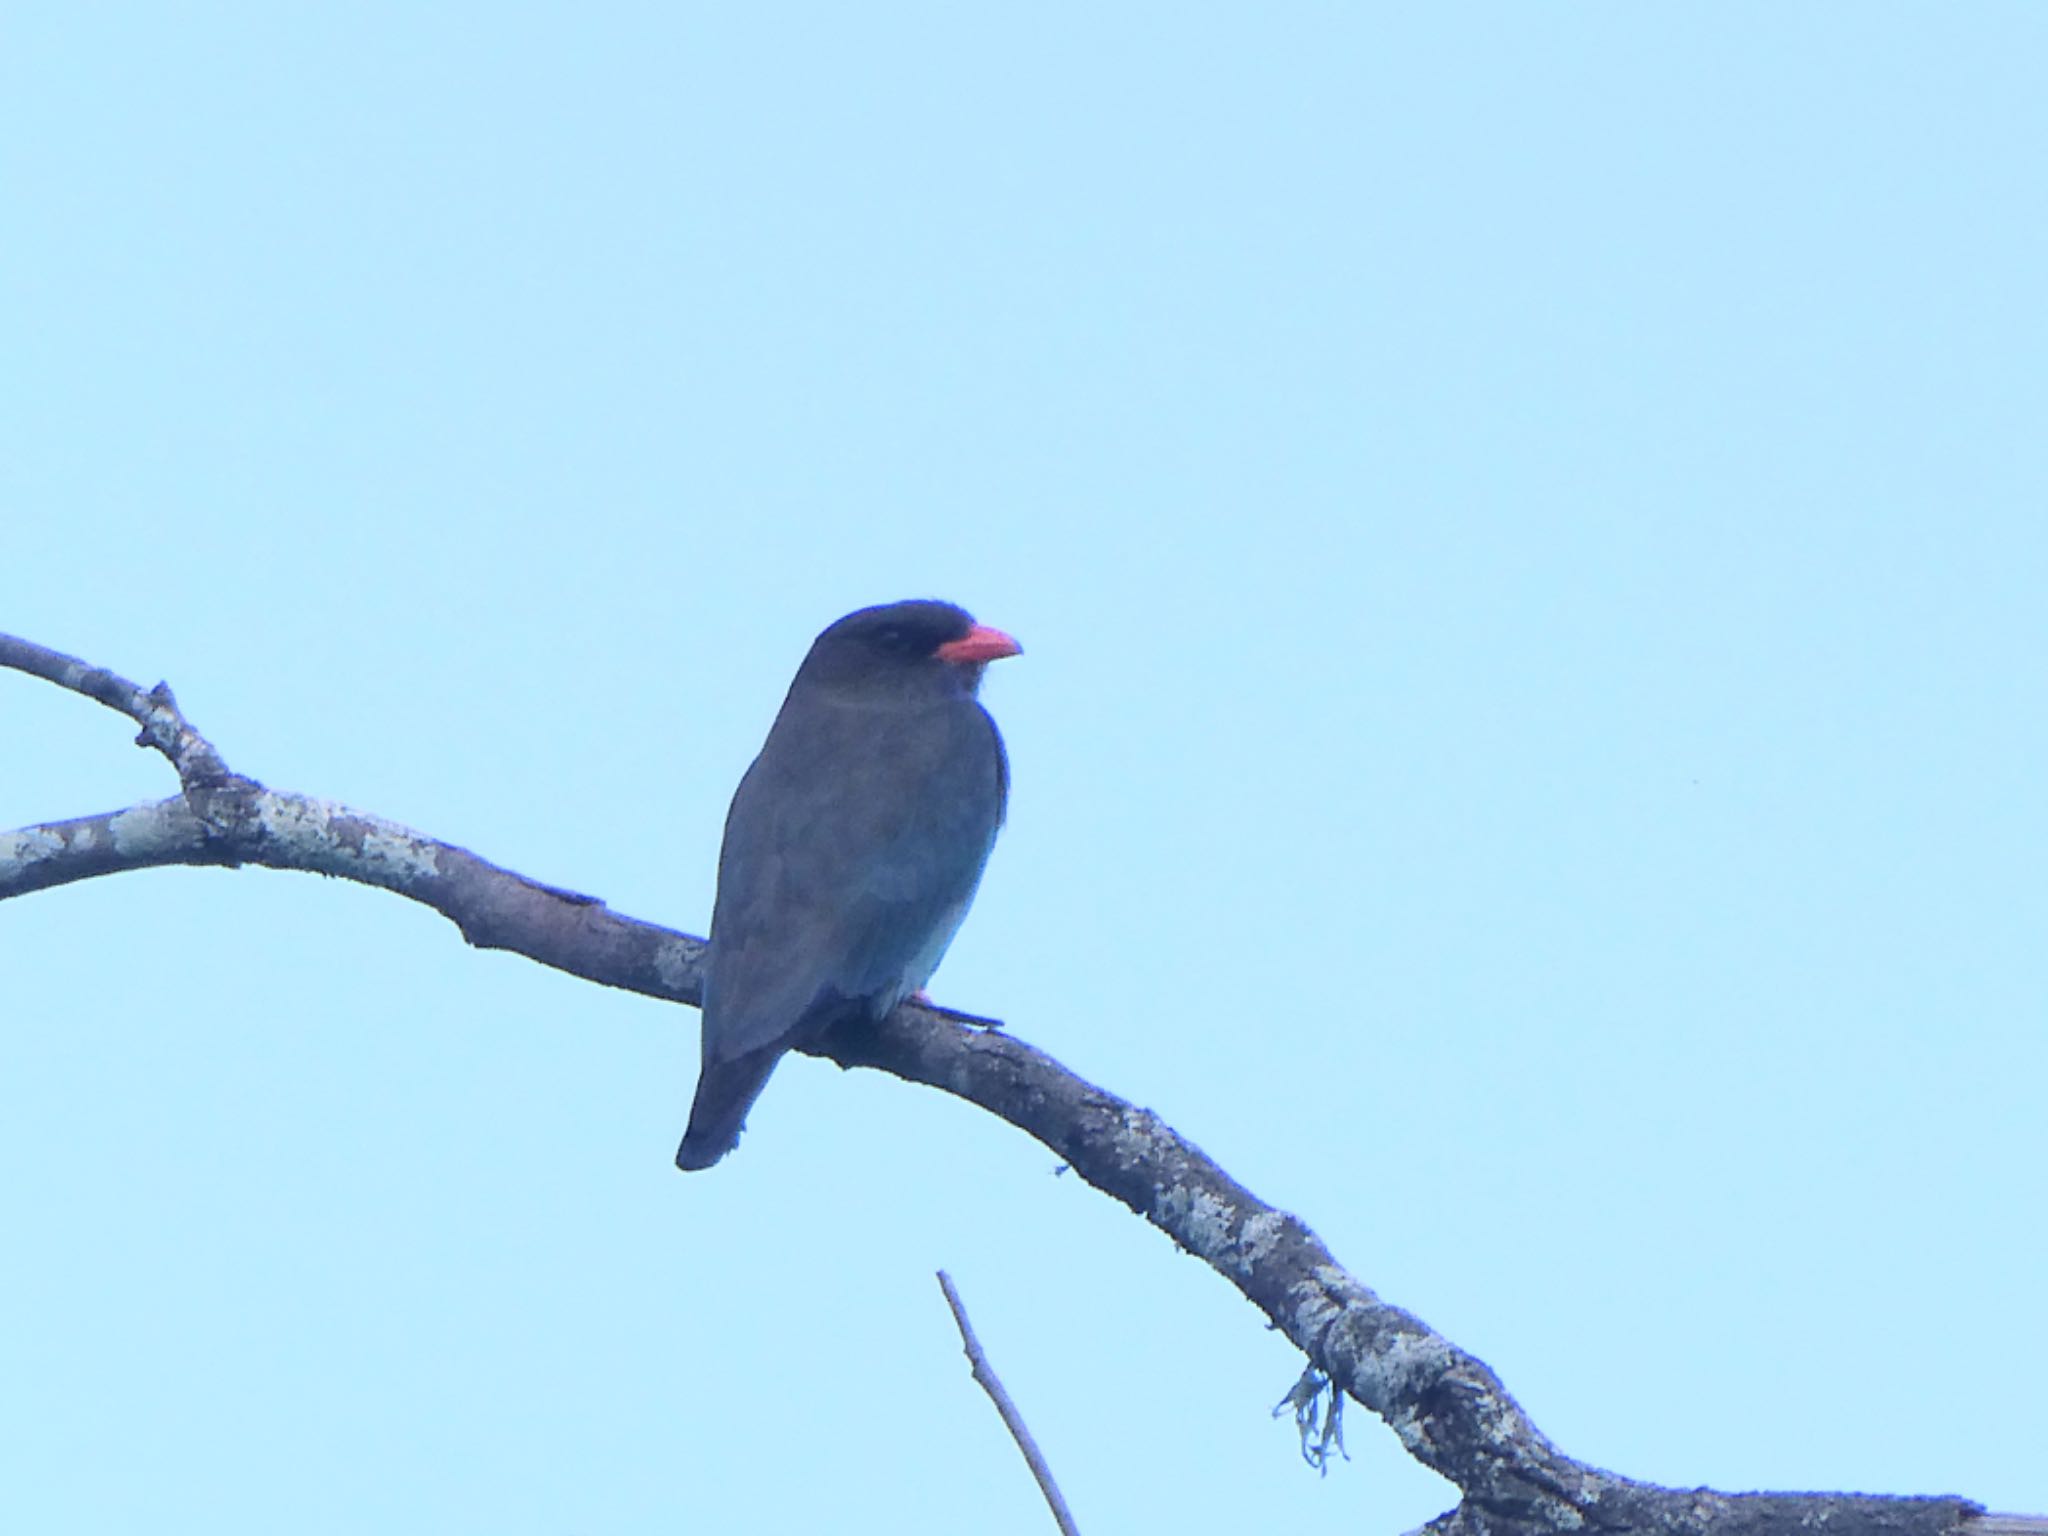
[(923, 1000)]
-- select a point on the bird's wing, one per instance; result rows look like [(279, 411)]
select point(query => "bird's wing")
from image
[(848, 865)]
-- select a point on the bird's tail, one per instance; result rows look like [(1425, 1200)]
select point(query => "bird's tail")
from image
[(726, 1090)]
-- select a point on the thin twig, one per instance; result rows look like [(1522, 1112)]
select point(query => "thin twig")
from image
[(992, 1384)]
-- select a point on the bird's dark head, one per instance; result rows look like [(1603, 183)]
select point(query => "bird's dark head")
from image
[(920, 643)]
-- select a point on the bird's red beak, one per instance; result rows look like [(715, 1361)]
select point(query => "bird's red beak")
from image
[(979, 644)]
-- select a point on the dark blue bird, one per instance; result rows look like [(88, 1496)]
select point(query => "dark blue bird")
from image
[(852, 848)]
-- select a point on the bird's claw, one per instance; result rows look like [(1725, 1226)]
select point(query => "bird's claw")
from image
[(923, 1000)]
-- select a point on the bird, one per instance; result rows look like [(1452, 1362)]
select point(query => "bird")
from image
[(852, 850)]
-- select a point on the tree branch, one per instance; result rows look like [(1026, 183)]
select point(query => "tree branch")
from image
[(1447, 1408), (163, 726), (992, 1384)]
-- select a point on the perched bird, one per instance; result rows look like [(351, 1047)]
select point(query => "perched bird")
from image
[(852, 848)]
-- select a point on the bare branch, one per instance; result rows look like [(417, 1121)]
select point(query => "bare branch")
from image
[(1447, 1407), (164, 726), (241, 822), (2006, 1525), (992, 1384)]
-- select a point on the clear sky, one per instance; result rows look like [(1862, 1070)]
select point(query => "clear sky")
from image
[(1528, 528)]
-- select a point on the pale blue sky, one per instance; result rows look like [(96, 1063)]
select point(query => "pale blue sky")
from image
[(1527, 526)]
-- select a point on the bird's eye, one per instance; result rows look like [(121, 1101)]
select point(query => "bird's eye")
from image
[(892, 637)]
